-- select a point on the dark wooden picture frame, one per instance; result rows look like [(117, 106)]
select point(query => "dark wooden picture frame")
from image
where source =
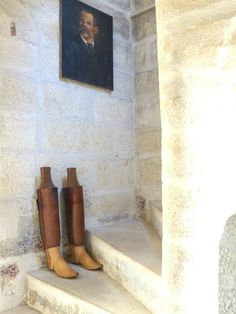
[(86, 44)]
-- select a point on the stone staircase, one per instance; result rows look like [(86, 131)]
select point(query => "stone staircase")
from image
[(130, 281)]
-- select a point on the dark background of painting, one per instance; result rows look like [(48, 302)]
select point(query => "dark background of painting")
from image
[(70, 10)]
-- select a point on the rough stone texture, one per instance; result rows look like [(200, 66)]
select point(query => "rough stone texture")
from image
[(126, 251), (140, 4), (197, 90), (91, 292), (45, 121), (227, 269), (144, 25), (147, 111)]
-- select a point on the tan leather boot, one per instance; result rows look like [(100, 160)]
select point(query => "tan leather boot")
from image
[(50, 227), (80, 256), (74, 204), (57, 263)]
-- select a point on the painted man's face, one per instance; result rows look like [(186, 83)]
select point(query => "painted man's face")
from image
[(86, 26)]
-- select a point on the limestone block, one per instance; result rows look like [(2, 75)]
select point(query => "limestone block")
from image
[(146, 83), (227, 269), (147, 112), (148, 171), (13, 277), (147, 142), (18, 130), (108, 208), (17, 173), (122, 84), (227, 302), (19, 55), (95, 139), (24, 18), (28, 226), (140, 56), (229, 234), (73, 137), (50, 25), (18, 92), (144, 25), (148, 192), (61, 139), (50, 62), (123, 4), (140, 4), (123, 142), (114, 174), (121, 25), (112, 110), (153, 53), (9, 213), (57, 99), (122, 54), (82, 102)]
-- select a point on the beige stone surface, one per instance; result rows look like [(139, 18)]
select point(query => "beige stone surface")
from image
[(148, 142), (18, 92), (140, 56), (134, 249), (17, 174), (18, 130), (91, 292), (57, 99), (147, 113), (21, 309), (144, 25), (114, 174), (19, 55), (148, 171), (140, 5), (109, 207), (122, 54), (146, 82)]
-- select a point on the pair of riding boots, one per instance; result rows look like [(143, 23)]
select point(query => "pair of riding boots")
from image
[(50, 223)]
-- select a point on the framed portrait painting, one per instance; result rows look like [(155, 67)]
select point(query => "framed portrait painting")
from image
[(86, 44)]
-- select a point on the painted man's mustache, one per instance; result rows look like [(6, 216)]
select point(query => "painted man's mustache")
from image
[(84, 30)]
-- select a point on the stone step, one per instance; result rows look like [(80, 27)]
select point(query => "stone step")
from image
[(131, 254), (154, 216), (21, 309), (93, 292)]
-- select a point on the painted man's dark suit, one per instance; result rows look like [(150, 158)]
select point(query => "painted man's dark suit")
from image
[(88, 64)]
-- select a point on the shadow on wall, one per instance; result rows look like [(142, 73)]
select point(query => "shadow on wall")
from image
[(227, 268)]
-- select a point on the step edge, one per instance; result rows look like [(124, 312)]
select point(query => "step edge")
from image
[(152, 276), (153, 273), (30, 277)]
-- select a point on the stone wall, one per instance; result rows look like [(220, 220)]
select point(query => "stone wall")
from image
[(197, 66), (227, 268), (146, 106), (45, 121)]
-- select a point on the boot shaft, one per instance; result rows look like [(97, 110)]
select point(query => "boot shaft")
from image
[(74, 203), (48, 210)]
